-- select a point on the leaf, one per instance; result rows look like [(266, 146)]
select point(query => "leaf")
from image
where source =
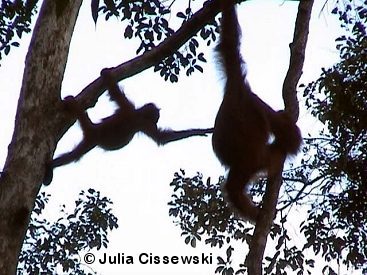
[(199, 68), (94, 7), (229, 252), (201, 57), (192, 47), (15, 44), (219, 269), (128, 32), (193, 243), (181, 15), (187, 240), (173, 78), (220, 261), (7, 50)]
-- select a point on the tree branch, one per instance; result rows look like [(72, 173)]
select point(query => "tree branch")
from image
[(90, 94), (297, 58), (270, 200)]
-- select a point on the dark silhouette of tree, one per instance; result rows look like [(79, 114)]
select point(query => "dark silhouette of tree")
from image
[(336, 224), (49, 246), (200, 210), (39, 127), (15, 19), (330, 181)]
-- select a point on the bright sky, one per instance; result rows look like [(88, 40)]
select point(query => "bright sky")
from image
[(137, 177)]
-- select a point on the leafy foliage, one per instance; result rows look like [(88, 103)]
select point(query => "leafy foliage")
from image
[(200, 210), (50, 247), (15, 19), (147, 21), (337, 224)]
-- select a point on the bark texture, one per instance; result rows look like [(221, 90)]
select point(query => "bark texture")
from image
[(34, 136)]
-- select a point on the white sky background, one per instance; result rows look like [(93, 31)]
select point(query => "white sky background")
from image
[(137, 177)]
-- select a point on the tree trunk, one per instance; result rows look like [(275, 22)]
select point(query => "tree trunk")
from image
[(40, 120), (254, 259), (35, 135)]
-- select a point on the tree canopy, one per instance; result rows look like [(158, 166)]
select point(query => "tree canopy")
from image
[(329, 181)]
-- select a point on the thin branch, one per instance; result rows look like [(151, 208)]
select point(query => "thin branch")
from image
[(301, 192), (297, 48)]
